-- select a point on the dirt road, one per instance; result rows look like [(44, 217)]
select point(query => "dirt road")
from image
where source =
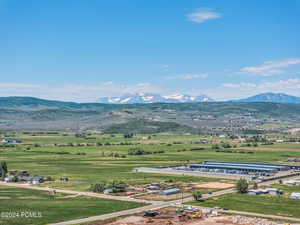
[(90, 194)]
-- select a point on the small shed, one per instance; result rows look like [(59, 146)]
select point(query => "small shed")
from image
[(257, 192), (170, 191), (108, 191), (295, 196), (10, 140), (274, 191), (153, 187), (9, 178)]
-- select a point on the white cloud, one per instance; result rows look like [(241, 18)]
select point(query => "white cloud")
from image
[(228, 91), (75, 92), (202, 15), (188, 76), (239, 85), (269, 68)]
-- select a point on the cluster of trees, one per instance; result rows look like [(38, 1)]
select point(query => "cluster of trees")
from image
[(223, 145), (116, 186), (229, 151), (113, 154), (242, 186), (250, 145), (256, 138), (128, 135), (81, 144), (139, 151), (197, 195), (3, 169), (294, 139)]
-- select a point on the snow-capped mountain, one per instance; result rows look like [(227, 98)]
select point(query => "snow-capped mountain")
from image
[(153, 98)]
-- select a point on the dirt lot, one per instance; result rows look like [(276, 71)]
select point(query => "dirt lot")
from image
[(215, 185), (163, 197), (170, 217)]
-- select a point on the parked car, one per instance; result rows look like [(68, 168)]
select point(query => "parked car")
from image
[(151, 214), (190, 208)]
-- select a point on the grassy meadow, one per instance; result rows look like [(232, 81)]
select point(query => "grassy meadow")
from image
[(109, 160), (50, 209), (280, 205)]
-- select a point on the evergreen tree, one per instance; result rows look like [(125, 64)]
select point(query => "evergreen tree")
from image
[(197, 195), (3, 169), (242, 186)]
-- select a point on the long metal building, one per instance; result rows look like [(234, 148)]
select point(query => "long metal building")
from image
[(236, 167)]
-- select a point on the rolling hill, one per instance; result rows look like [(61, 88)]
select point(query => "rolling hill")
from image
[(26, 113)]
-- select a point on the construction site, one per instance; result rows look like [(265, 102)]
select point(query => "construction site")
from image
[(172, 216)]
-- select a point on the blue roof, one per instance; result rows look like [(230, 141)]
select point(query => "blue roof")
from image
[(169, 191), (232, 167), (262, 165)]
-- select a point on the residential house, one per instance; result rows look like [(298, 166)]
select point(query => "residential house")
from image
[(274, 191), (170, 191), (257, 192), (153, 187), (295, 196), (10, 140)]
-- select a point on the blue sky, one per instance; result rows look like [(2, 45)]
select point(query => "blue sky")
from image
[(80, 50)]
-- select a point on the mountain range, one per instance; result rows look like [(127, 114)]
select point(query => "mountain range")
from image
[(33, 114), (154, 98), (144, 98)]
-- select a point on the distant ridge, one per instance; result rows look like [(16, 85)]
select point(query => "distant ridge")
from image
[(143, 98), (272, 97)]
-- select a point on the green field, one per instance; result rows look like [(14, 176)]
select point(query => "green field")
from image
[(264, 204), (283, 146), (50, 209), (98, 164)]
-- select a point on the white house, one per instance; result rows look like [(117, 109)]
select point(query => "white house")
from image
[(274, 191), (295, 195)]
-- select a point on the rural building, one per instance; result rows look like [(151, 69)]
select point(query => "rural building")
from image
[(10, 140), (108, 191), (36, 180), (204, 140), (9, 178), (238, 168), (295, 195), (272, 191), (153, 187), (257, 192), (170, 191)]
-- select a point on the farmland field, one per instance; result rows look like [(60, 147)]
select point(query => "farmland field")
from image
[(107, 159), (45, 208)]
